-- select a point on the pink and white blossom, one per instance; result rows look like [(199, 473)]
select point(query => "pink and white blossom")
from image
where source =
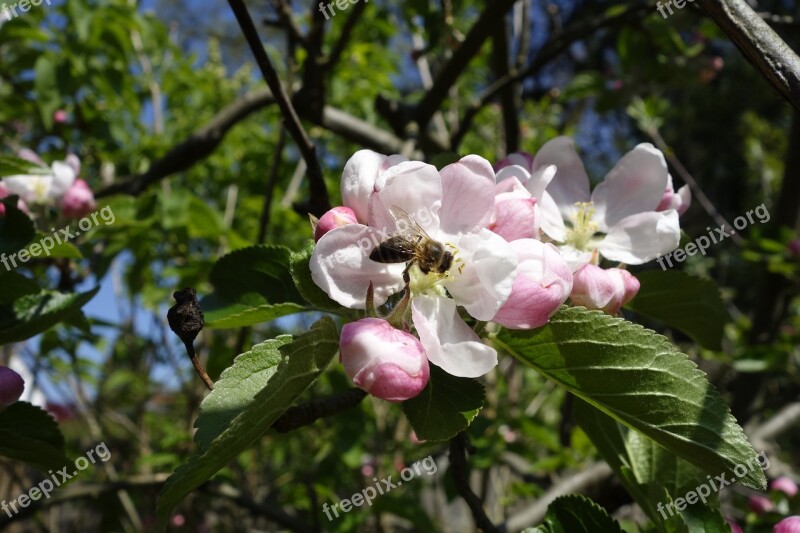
[(785, 485), (455, 207), (619, 219), (78, 200), (543, 282), (679, 201), (384, 361), (47, 187), (603, 289), (790, 524), (760, 504)]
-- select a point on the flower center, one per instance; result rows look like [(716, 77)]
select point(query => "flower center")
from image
[(582, 227), (431, 283)]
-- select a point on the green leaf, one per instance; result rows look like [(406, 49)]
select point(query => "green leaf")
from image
[(310, 291), (11, 166), (653, 475), (33, 314), (16, 231), (574, 513), (687, 303), (229, 317), (302, 362), (236, 389), (251, 285), (14, 286), (52, 248), (29, 434), (638, 378), (446, 406)]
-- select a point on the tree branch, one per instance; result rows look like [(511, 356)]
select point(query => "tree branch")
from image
[(760, 45), (471, 46), (319, 201), (308, 413), (460, 471)]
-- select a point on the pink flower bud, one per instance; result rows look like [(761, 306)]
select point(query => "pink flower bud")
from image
[(734, 526), (790, 524), (78, 200), (543, 282), (335, 218), (785, 485), (11, 387), (760, 504), (794, 247), (514, 213), (388, 363), (60, 116), (606, 290)]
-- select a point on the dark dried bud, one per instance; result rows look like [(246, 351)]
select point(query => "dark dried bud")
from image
[(185, 317)]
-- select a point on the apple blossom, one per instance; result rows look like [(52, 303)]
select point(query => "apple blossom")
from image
[(11, 387), (603, 289), (785, 485), (386, 362), (78, 200), (454, 207), (60, 116), (789, 524), (542, 284), (619, 219), (45, 188), (334, 218)]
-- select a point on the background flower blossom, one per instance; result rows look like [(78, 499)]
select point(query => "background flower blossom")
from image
[(604, 289)]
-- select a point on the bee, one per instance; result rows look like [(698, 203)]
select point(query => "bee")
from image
[(412, 245)]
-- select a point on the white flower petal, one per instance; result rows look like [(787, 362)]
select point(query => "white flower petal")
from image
[(571, 183), (513, 171), (540, 180), (548, 214), (467, 195), (449, 342), (30, 188), (486, 274), (641, 238), (340, 266), (413, 186), (636, 184), (63, 178), (575, 258), (358, 180)]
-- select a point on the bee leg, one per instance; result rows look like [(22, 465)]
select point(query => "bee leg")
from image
[(406, 276)]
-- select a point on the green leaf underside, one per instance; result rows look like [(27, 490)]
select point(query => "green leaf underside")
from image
[(28, 433), (36, 313), (574, 513), (236, 389), (651, 474), (239, 316), (303, 361), (638, 378), (10, 166), (687, 303), (445, 407), (14, 285)]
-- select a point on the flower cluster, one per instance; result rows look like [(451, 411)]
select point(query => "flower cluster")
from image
[(472, 243), (59, 185)]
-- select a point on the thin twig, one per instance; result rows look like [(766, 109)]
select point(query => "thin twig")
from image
[(308, 413), (460, 472), (319, 202)]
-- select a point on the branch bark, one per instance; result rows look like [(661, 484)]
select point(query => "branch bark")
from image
[(760, 45)]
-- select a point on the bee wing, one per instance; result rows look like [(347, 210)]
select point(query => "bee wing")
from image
[(400, 244), (407, 226)]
